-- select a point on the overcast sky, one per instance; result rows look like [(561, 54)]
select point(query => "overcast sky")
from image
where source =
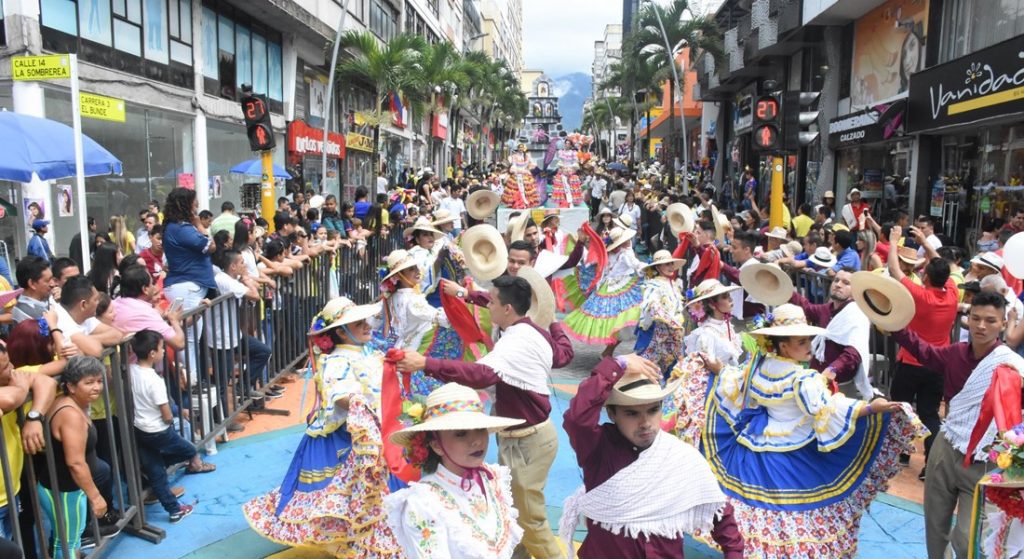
[(559, 35)]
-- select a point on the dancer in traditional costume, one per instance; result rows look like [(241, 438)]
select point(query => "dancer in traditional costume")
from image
[(566, 188), (799, 464), (332, 496), (520, 191), (449, 264), (629, 514), (426, 246), (614, 304), (560, 243), (662, 320), (461, 508)]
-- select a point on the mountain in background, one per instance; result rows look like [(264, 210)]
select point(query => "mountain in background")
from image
[(572, 90)]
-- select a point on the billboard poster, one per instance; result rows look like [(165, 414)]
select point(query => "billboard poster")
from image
[(888, 46)]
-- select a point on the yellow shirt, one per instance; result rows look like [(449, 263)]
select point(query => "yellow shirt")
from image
[(12, 443), (787, 218), (802, 224)]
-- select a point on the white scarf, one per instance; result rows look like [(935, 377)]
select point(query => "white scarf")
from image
[(964, 408), (522, 357), (850, 327), (633, 503)]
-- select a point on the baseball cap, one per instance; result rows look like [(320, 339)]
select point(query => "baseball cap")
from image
[(39, 224)]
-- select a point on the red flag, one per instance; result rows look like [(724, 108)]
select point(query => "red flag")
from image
[(390, 410), (596, 254), (1001, 403)]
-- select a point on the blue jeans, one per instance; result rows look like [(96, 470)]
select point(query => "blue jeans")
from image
[(191, 295), (158, 451), (6, 525)]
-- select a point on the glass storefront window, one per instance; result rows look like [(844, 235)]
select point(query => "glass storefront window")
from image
[(94, 21), (59, 15), (971, 25), (210, 44), (155, 15), (228, 146)]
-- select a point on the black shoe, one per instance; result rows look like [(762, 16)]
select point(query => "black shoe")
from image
[(274, 389), (921, 475)]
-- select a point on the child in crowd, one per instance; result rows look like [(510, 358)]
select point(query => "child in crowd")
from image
[(159, 444)]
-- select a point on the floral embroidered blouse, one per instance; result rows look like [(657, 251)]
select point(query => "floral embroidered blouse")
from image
[(799, 406), (663, 303), (412, 316), (622, 268), (716, 337), (436, 518), (347, 371)]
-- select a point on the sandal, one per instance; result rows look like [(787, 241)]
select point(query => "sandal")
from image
[(204, 468)]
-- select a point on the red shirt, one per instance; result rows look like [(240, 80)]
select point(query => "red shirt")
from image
[(154, 263), (882, 250), (933, 321)]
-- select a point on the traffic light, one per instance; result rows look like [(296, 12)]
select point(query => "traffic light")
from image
[(766, 123), (257, 121), (796, 120)]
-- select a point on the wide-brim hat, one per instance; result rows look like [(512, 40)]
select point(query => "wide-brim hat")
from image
[(316, 201), (1013, 256), (442, 217), (788, 320), (422, 224), (8, 296), (664, 257), (849, 195), (549, 262), (619, 236), (339, 312), (766, 283), (823, 257), (517, 226), (710, 288), (542, 298), (777, 233), (990, 260), (791, 249), (637, 392), (624, 220), (480, 204), (886, 302), (605, 210), (680, 218), (484, 251), (453, 407), (721, 222), (398, 260), (909, 256), (829, 194)]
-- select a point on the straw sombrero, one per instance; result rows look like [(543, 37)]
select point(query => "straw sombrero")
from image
[(777, 233), (766, 283), (680, 218), (480, 204), (624, 221), (517, 226), (398, 260), (664, 257), (442, 217), (340, 311), (637, 392), (548, 215), (619, 236), (721, 222), (453, 407), (792, 248), (710, 288), (885, 301), (1013, 255), (788, 320), (542, 299), (422, 224), (484, 251), (822, 258), (909, 255)]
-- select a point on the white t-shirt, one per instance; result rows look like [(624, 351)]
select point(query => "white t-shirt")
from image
[(67, 324), (597, 187), (633, 212), (382, 185), (224, 317), (932, 241), (149, 392), (250, 264), (457, 208)]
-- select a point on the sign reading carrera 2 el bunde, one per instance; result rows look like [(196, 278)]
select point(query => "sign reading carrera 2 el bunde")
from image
[(983, 84)]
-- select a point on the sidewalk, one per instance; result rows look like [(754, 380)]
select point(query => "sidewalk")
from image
[(255, 462)]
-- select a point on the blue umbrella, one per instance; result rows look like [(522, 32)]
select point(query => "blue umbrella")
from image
[(616, 167), (254, 168), (46, 148)]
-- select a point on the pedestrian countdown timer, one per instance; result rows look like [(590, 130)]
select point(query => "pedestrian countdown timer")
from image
[(766, 123)]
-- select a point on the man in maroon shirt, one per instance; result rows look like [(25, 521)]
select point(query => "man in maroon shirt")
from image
[(603, 451), (520, 253), (841, 362), (936, 303), (518, 367)]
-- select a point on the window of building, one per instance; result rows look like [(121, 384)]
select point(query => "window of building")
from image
[(180, 30), (435, 6), (971, 25), (236, 52), (383, 19), (846, 61), (155, 30), (3, 28), (210, 56), (357, 8)]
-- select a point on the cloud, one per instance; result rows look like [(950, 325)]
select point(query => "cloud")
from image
[(559, 35), (561, 87)]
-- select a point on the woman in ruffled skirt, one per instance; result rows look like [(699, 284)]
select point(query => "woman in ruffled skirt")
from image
[(662, 320)]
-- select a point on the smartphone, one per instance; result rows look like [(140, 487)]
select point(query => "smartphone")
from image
[(177, 304)]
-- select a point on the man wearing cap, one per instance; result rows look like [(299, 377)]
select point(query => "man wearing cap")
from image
[(37, 245), (840, 353), (985, 264), (967, 369), (852, 211), (628, 513), (518, 367), (936, 303)]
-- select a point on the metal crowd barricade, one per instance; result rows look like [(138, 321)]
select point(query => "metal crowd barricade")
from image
[(124, 464), (357, 274)]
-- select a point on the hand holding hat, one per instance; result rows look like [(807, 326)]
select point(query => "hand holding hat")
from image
[(640, 368)]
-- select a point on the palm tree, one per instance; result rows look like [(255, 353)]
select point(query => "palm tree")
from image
[(633, 76), (682, 29), (391, 67), (442, 73)]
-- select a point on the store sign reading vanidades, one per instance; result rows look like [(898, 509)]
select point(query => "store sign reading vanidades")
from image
[(983, 84)]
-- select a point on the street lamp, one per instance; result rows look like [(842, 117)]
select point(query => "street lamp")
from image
[(682, 94)]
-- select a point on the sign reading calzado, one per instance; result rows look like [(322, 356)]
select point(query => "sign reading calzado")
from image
[(984, 84), (31, 68)]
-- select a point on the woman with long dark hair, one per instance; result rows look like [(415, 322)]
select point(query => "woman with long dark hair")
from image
[(104, 268)]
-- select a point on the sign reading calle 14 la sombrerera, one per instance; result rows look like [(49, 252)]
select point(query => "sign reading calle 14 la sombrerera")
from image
[(984, 84)]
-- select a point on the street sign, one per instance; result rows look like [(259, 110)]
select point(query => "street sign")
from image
[(32, 68), (102, 108)]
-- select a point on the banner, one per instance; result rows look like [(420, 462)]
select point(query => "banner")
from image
[(888, 46)]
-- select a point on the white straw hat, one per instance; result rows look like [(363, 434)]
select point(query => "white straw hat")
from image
[(453, 407), (637, 392), (480, 204), (484, 251), (788, 320), (823, 257), (517, 226), (886, 302), (989, 259), (710, 288), (777, 233), (619, 236), (398, 260), (422, 224), (442, 217), (664, 257), (680, 218), (766, 283), (340, 311), (542, 298)]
